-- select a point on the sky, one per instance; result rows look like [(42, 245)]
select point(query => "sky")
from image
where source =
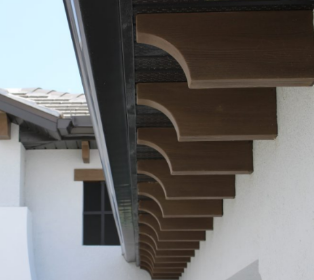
[(36, 49)]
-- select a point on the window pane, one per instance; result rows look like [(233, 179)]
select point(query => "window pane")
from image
[(92, 229), (107, 200), (111, 234), (92, 196)]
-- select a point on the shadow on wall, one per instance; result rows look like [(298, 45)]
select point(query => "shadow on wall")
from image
[(248, 273)]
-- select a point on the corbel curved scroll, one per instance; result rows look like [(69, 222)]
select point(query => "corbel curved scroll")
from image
[(148, 265), (198, 158), (174, 224), (187, 187), (160, 274), (146, 250), (164, 236), (162, 265), (145, 240), (147, 260), (214, 114), (148, 232), (214, 59), (147, 270), (180, 208), (161, 269)]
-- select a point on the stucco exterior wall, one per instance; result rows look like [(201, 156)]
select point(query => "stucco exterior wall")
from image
[(272, 217), (16, 251), (56, 203), (12, 163)]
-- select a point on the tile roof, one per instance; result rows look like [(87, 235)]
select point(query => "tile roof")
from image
[(67, 104)]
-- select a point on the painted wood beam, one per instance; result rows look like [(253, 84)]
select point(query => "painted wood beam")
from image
[(214, 114), (144, 240), (236, 49), (85, 152), (89, 175), (147, 232), (5, 127), (198, 158), (180, 208), (173, 224), (171, 236), (189, 186)]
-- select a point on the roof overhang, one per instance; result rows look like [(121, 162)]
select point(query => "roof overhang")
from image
[(49, 119)]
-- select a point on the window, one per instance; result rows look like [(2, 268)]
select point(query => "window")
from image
[(99, 227)]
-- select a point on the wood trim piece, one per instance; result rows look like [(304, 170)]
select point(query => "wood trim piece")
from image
[(236, 49), (5, 127), (198, 158), (165, 236), (89, 175), (85, 152), (174, 224), (189, 186), (180, 208), (214, 114)]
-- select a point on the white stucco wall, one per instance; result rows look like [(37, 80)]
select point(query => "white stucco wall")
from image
[(12, 170), (56, 203), (16, 252), (272, 217)]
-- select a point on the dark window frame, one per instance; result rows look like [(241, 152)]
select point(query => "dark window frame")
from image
[(103, 213)]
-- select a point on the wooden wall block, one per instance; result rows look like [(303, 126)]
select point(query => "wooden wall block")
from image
[(214, 114), (189, 186), (236, 49), (85, 152), (198, 158), (180, 208), (174, 224), (89, 175), (183, 236), (5, 127)]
